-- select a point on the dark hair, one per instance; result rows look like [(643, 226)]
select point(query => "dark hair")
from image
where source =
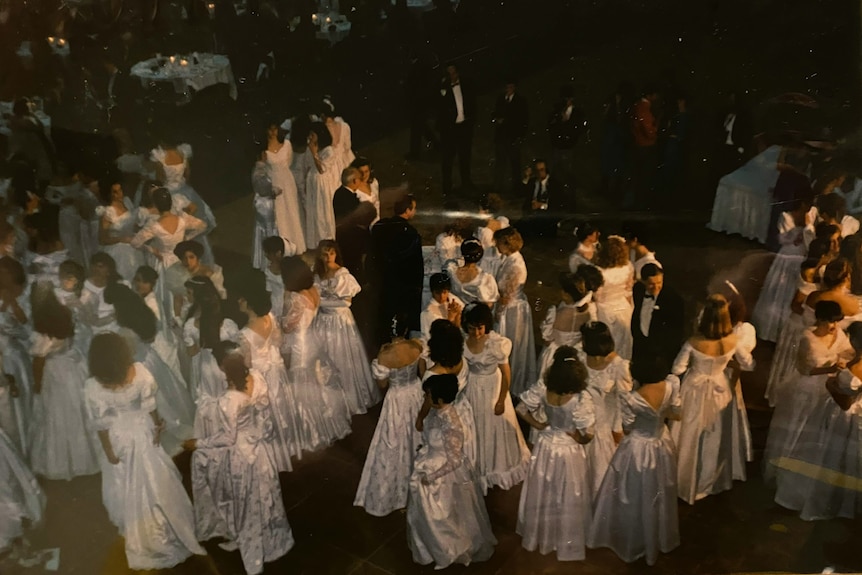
[(446, 343), (71, 268), (472, 250), (818, 248), (403, 204), (360, 161), (573, 284), (443, 386), (477, 314), (319, 269), (253, 291), (598, 340), (132, 311), (232, 364), (21, 107), (509, 237), (567, 374), (439, 281), (854, 332), (109, 358), (189, 246), (103, 259), (399, 326), (636, 231), (50, 317), (592, 277), (296, 274), (273, 244), (162, 200), (324, 138), (827, 310), (147, 274), (649, 369), (461, 228), (15, 270), (327, 107), (585, 230), (832, 205), (715, 320), (106, 189), (223, 349), (826, 230), (207, 300), (837, 271), (809, 264), (651, 270)]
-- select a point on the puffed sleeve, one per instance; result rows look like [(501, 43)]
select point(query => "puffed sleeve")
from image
[(41, 344), (346, 286), (185, 150), (194, 226), (547, 327), (179, 202), (380, 372), (97, 410), (746, 341), (674, 404), (217, 277), (584, 413), (501, 348), (144, 235), (533, 397), (628, 411), (488, 292), (149, 387), (157, 155), (190, 333), (229, 331), (849, 226), (680, 364), (291, 315)]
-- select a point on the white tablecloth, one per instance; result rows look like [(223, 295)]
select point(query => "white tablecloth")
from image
[(743, 200), (210, 69)]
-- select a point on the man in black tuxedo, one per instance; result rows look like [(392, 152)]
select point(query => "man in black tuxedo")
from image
[(542, 195), (457, 108), (344, 201), (658, 319), (352, 220), (510, 127)]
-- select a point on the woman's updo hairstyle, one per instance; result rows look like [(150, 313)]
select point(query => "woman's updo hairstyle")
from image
[(567, 374), (472, 250), (446, 343), (836, 273), (828, 311), (715, 320)]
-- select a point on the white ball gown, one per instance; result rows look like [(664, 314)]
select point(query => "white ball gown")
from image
[(63, 446), (464, 408), (206, 377), (143, 493), (781, 283), (264, 213), (784, 359), (447, 521), (127, 258), (743, 449), (614, 306), (336, 326), (481, 289), (555, 510), (388, 465), (502, 456), (21, 498), (555, 336), (515, 321), (235, 482), (14, 345), (636, 506), (288, 215), (319, 191)]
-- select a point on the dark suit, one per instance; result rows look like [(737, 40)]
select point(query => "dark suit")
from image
[(541, 222), (456, 138), (344, 201), (666, 329), (510, 126)]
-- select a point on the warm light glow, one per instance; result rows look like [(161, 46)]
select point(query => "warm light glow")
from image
[(50, 40), (61, 42), (184, 62), (173, 59)]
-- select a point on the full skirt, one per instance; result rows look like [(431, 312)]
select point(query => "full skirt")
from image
[(618, 317), (516, 323), (783, 367), (779, 287), (21, 498)]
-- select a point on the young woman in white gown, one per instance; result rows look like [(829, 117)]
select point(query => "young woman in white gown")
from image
[(636, 505), (470, 282), (447, 244), (260, 341), (489, 208), (276, 249), (63, 447), (117, 226), (235, 477), (743, 361), (447, 521), (562, 323), (588, 245), (173, 165), (555, 510), (319, 399), (502, 457), (96, 315), (285, 200), (703, 437), (323, 179), (144, 284), (823, 351), (608, 380), (264, 211), (205, 326), (138, 327), (336, 326), (821, 468), (22, 502), (614, 299), (513, 313), (339, 130), (141, 488), (14, 345), (388, 465)]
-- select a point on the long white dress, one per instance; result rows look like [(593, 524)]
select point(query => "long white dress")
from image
[(264, 213), (21, 498), (614, 306), (781, 282), (823, 466), (481, 289), (703, 437), (319, 191), (801, 397), (555, 509), (344, 147), (323, 413), (336, 326), (143, 493), (607, 387), (288, 214), (14, 345), (743, 449), (388, 465), (784, 359), (447, 521), (583, 255), (175, 182), (265, 357), (206, 377), (275, 287), (554, 337), (63, 447), (465, 410), (300, 165), (515, 321), (127, 258), (235, 484), (502, 456), (636, 506)]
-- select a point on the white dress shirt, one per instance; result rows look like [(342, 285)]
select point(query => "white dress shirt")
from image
[(435, 311), (647, 308), (459, 103)]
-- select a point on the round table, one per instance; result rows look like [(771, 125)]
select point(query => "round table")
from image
[(188, 74)]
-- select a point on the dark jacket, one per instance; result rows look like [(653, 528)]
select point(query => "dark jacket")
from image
[(510, 118), (448, 110), (343, 203), (553, 196), (666, 330), (564, 134)]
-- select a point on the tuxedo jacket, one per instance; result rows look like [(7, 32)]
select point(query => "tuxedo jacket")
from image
[(510, 117), (553, 195), (667, 327), (343, 203), (448, 110)]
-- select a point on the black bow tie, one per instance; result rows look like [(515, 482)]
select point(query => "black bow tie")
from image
[(649, 296)]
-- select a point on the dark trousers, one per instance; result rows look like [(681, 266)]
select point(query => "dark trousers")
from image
[(507, 163), (457, 140)]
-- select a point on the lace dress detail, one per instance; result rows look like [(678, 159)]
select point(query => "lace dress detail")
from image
[(515, 321), (614, 306)]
